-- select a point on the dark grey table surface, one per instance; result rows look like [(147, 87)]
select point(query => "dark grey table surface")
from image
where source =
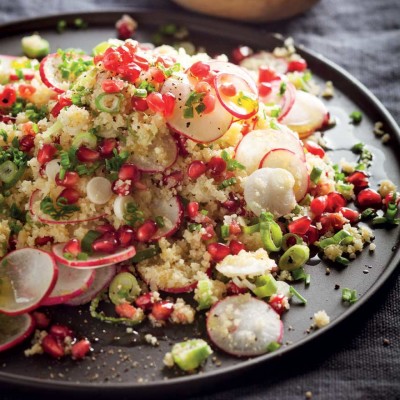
[(363, 36)]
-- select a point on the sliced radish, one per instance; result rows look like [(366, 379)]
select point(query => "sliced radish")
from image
[(120, 204), (270, 189), (50, 74), (163, 155), (102, 279), (95, 260), (52, 169), (172, 212), (252, 63), (27, 276), (244, 326), (98, 190), (244, 103), (71, 282), (15, 329), (202, 127), (286, 159), (253, 147), (307, 114), (182, 289)]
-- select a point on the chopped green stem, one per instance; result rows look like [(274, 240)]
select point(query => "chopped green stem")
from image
[(295, 293)]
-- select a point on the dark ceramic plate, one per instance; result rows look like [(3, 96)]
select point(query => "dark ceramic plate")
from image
[(122, 362)]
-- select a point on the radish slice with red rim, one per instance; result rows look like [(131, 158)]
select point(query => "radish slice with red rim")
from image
[(171, 211), (288, 160), (307, 114), (94, 260), (27, 276), (203, 128), (242, 104), (243, 326), (278, 64), (253, 147), (71, 282), (15, 329), (102, 279)]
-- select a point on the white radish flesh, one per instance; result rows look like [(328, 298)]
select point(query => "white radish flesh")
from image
[(120, 204), (27, 276), (270, 189), (244, 326), (172, 212), (14, 329), (286, 159), (52, 169), (71, 282), (253, 147), (98, 190)]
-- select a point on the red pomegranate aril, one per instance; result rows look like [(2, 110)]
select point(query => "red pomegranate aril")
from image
[(42, 321), (122, 188), (202, 87), (234, 205), (46, 153), (218, 251), (146, 231), (84, 154), (228, 89), (145, 302), (80, 349), (106, 147), (318, 205), (359, 179), (130, 72), (112, 85), (352, 215), (139, 104), (125, 235), (106, 243), (311, 236), (52, 346), (217, 166), (240, 53), (200, 69), (169, 104), (111, 59), (300, 226), (266, 74), (105, 228), (8, 96), (314, 148), (236, 247), (331, 222), (155, 102), (335, 201), (60, 331), (125, 310), (129, 172), (209, 232), (27, 143), (196, 169), (141, 62), (70, 195), (192, 209), (157, 75), (232, 289), (173, 179), (162, 310), (209, 102), (234, 228), (73, 246), (264, 89), (369, 198), (26, 91), (299, 65), (43, 240), (277, 302), (125, 27), (70, 179)]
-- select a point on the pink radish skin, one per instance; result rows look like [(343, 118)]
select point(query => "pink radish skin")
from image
[(48, 70), (25, 329), (173, 211), (94, 261), (286, 159), (30, 275), (102, 279), (71, 282), (250, 327)]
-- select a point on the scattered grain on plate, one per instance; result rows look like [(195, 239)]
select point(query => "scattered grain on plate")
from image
[(385, 138), (321, 319), (329, 90), (372, 247), (378, 128)]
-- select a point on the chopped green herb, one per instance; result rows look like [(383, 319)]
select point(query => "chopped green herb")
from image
[(194, 227), (61, 25), (349, 295), (80, 23), (295, 293), (160, 221), (61, 208), (133, 215), (282, 88), (231, 163), (224, 231), (315, 174), (226, 183), (273, 346), (355, 117)]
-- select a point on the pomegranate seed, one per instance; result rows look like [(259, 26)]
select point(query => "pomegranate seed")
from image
[(162, 310), (106, 147), (71, 195), (71, 179), (27, 143), (209, 102), (311, 236), (202, 87), (232, 289), (192, 209), (196, 169), (52, 347), (145, 302), (43, 240), (122, 188), (277, 302), (84, 154), (318, 205), (169, 104), (80, 349), (209, 232), (234, 205), (369, 198), (125, 235), (106, 243), (129, 172), (335, 201), (173, 179), (352, 215), (240, 53), (228, 89), (26, 91), (112, 85), (46, 153), (200, 69), (235, 247), (155, 102), (141, 62), (105, 228), (300, 226), (332, 222), (297, 65), (125, 310), (234, 228), (130, 72), (218, 251), (125, 27), (157, 75), (73, 246), (12, 242), (264, 89), (139, 104), (314, 148), (111, 59), (60, 331), (8, 96), (63, 102), (146, 231), (266, 74), (216, 166), (42, 321), (359, 179)]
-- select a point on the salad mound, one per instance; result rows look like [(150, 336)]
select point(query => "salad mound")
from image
[(140, 173)]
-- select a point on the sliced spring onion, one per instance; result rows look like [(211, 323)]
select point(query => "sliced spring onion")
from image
[(342, 260), (123, 288), (8, 171), (85, 138), (145, 254), (249, 230), (190, 354), (271, 233), (88, 240), (368, 213), (290, 239), (299, 274), (140, 93), (315, 174), (35, 46), (349, 295), (294, 257), (295, 293), (342, 238), (265, 286), (108, 102), (273, 346), (203, 294), (224, 231)]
